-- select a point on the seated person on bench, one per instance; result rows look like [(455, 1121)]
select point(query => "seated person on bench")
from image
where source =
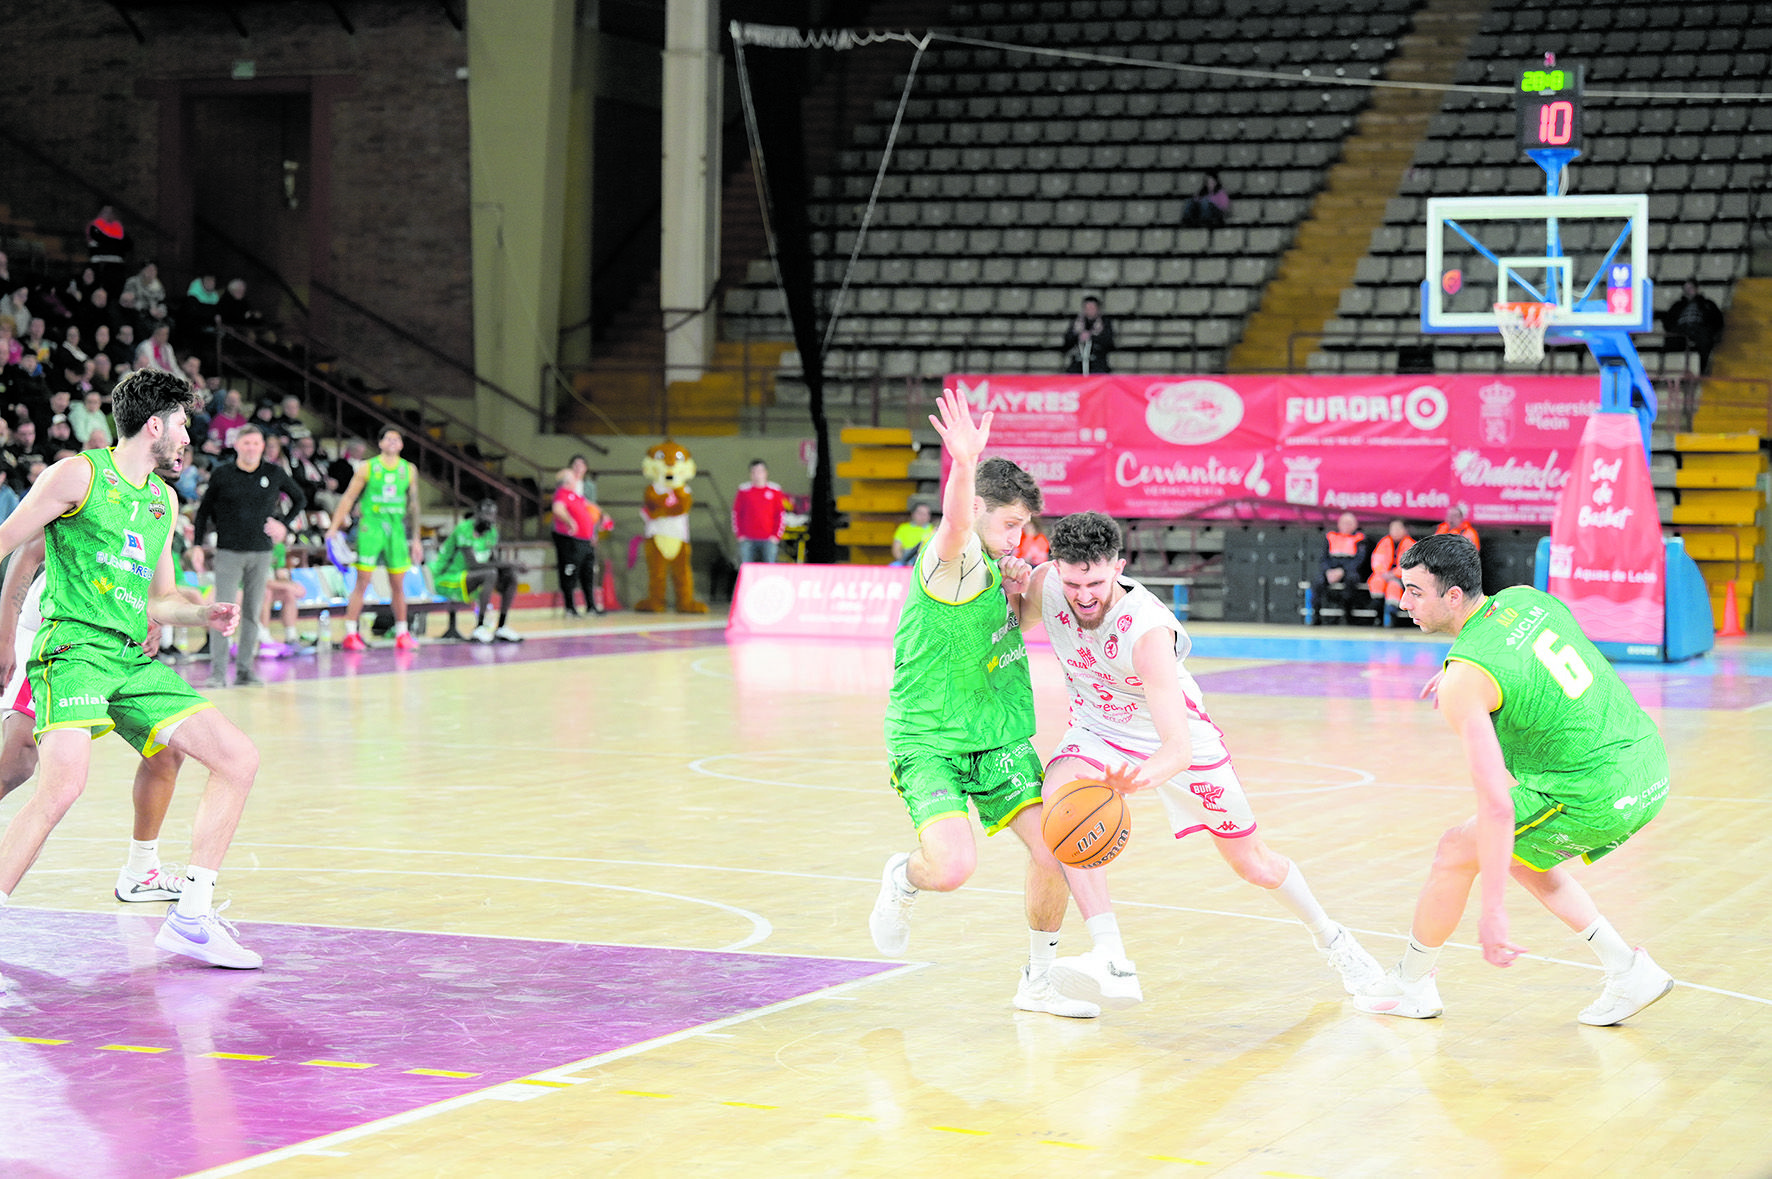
[(466, 569), (1345, 557)]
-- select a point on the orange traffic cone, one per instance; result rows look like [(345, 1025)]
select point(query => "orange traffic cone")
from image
[(1731, 616)]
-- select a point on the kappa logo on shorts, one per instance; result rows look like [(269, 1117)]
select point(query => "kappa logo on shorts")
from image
[(1208, 794)]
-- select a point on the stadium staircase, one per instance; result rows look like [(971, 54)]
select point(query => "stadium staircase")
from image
[(1283, 331)]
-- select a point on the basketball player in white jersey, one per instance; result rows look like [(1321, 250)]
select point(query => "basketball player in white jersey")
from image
[(1138, 720), (142, 878)]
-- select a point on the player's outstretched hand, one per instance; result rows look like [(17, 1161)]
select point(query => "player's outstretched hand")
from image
[(1431, 689), (1492, 932), (964, 438), (1016, 574), (222, 616), (151, 644), (1123, 779)]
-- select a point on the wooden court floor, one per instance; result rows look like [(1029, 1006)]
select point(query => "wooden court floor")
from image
[(716, 798)]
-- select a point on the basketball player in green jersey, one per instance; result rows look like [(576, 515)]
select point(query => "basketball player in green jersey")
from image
[(387, 535), (962, 707), (107, 522), (1565, 764)]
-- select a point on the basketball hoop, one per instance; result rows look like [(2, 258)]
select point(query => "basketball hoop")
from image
[(1522, 330)]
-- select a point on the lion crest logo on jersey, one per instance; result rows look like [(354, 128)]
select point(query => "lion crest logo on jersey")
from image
[(1208, 794), (1111, 648)]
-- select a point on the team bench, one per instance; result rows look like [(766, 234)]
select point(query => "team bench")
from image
[(327, 591)]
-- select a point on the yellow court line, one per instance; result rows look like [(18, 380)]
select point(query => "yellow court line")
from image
[(959, 1130), (127, 1048), (234, 1056), (438, 1072), (30, 1040), (337, 1064), (749, 1105), (542, 1084)]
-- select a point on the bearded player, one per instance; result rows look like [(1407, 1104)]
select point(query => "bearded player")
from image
[(107, 522), (962, 707), (1565, 764), (1139, 720)]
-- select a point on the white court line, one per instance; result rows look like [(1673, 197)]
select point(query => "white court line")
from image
[(562, 1074)]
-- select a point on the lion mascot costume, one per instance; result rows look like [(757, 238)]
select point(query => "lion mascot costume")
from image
[(668, 469)]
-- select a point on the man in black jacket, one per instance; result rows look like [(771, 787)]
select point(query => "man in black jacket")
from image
[(1088, 340), (242, 506)]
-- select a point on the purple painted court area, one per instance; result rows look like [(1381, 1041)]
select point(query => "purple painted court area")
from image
[(147, 1080), (1658, 687)]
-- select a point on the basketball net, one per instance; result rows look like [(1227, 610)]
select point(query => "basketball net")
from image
[(1522, 330)]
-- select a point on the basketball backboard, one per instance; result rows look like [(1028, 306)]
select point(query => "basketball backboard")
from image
[(1589, 255)]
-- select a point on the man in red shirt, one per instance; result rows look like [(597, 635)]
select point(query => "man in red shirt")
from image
[(575, 542), (757, 512)]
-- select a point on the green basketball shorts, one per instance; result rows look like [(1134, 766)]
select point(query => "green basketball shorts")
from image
[(1558, 820), (934, 784), (83, 677), (381, 540)]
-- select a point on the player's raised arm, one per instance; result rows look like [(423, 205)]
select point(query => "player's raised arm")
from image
[(965, 442), (1467, 696)]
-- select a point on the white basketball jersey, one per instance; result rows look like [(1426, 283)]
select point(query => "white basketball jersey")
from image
[(1107, 697), (30, 612)]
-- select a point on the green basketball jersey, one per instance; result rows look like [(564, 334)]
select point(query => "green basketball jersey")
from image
[(101, 555), (960, 675), (1565, 715), (385, 492), (463, 547)]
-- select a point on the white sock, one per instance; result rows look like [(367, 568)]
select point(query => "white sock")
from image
[(199, 893), (144, 857), (1417, 960), (291, 634), (902, 878), (1295, 894), (3, 897), (1042, 951), (399, 629), (1614, 952), (1104, 928)]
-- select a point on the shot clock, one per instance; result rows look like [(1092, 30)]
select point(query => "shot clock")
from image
[(1547, 106)]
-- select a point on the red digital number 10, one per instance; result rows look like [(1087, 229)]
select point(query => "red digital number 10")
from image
[(1556, 123)]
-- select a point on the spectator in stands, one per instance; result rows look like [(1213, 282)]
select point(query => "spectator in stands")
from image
[(759, 511), (78, 293), (129, 312), (581, 470), (27, 393), (467, 569), (94, 314), (225, 425), (109, 246), (122, 348), (149, 291), (5, 272), (156, 351), (288, 421), (10, 348), (69, 355), (101, 377), (243, 505), (1455, 522), (344, 469), (576, 521), (60, 436), (17, 308), (1345, 555), (909, 538), (309, 475), (1089, 340), (1386, 583), (27, 457), (233, 309), (1208, 208), (1697, 319), (196, 313), (8, 457), (36, 342)]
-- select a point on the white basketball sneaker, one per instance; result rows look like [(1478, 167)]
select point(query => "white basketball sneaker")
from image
[(890, 922), (1628, 992), (209, 938), (1038, 994), (1390, 995), (160, 884), (482, 634), (1359, 970), (1097, 978)]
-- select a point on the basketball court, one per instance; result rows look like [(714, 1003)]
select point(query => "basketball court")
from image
[(597, 904)]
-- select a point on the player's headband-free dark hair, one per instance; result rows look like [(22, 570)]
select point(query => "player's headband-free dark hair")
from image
[(147, 393), (1452, 559), (1000, 483), (1084, 538)]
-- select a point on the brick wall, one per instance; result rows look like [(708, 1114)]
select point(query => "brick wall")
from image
[(74, 84)]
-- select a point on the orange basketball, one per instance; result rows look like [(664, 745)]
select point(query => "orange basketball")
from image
[(1087, 824)]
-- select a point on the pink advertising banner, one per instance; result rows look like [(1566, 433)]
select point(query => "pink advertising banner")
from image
[(1607, 561), (818, 601), (1273, 445)]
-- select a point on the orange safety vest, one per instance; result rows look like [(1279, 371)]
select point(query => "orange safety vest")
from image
[(1344, 544), (1465, 530)]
